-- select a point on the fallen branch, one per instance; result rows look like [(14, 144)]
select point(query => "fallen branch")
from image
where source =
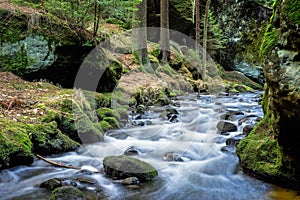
[(56, 164)]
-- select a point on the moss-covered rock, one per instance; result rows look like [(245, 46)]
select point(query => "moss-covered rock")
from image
[(15, 145), (67, 193), (105, 126), (238, 82), (107, 112), (112, 121), (47, 139), (121, 167), (259, 152)]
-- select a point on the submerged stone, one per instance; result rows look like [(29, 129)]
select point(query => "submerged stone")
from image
[(225, 126)]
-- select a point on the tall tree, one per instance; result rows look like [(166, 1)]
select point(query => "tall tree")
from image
[(96, 17), (205, 40), (164, 30), (139, 35), (197, 22)]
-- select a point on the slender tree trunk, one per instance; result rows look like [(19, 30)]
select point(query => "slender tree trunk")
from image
[(139, 35), (164, 30), (205, 40), (197, 22), (96, 17)]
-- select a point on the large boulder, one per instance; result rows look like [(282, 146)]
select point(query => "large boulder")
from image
[(271, 151), (121, 167), (47, 139)]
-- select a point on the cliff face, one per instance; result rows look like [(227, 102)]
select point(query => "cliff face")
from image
[(36, 45), (281, 124)]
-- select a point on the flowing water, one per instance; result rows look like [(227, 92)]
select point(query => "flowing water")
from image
[(206, 169)]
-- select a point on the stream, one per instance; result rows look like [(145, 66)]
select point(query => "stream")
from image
[(193, 158)]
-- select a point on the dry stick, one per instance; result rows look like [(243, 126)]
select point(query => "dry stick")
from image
[(56, 164)]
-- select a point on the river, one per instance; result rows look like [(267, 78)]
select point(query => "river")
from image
[(204, 167)]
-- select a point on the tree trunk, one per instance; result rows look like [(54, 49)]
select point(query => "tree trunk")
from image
[(139, 35), (164, 30), (205, 40), (197, 22), (96, 17)]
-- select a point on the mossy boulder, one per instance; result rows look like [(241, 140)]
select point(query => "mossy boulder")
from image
[(88, 131), (47, 139), (259, 153), (112, 121), (121, 167), (105, 126), (15, 145), (240, 79), (67, 193), (107, 112)]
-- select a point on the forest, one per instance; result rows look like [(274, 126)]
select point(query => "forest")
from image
[(149, 99)]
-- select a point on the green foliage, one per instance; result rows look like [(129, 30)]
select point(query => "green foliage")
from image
[(269, 40), (291, 9), (184, 8), (85, 13), (119, 11), (216, 41), (266, 3), (12, 28)]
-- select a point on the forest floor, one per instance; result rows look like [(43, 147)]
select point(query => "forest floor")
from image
[(21, 100), (6, 4)]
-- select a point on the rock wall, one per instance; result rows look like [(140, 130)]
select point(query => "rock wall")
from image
[(281, 124), (36, 45)]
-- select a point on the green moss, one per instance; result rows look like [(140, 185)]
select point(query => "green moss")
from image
[(107, 112), (48, 139), (112, 121), (15, 145), (259, 152), (291, 9), (12, 28), (67, 192), (105, 125)]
